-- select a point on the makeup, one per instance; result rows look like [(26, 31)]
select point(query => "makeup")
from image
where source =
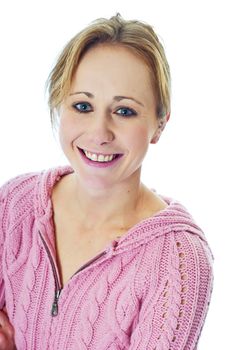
[(99, 164)]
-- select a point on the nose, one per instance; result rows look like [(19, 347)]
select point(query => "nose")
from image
[(101, 131)]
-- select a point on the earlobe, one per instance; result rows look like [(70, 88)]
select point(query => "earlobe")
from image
[(161, 126), (156, 136)]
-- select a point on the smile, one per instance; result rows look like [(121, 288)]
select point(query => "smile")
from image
[(98, 159)]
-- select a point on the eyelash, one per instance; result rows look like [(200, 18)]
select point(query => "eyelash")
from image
[(132, 112)]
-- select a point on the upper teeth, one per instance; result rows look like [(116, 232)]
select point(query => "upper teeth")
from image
[(99, 157)]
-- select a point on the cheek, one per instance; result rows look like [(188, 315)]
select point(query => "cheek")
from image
[(68, 130), (63, 133), (66, 136), (139, 139)]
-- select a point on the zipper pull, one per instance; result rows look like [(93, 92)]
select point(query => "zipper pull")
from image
[(54, 311)]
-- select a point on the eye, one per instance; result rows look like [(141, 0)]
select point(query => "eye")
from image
[(82, 107), (126, 112)]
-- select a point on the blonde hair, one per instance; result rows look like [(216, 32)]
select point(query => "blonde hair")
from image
[(136, 35)]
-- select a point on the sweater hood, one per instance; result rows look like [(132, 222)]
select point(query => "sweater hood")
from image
[(174, 218)]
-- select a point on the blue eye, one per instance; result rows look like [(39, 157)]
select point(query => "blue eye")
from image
[(82, 107), (126, 112)]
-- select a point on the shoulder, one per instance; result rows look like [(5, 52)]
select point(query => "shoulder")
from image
[(28, 183), (15, 188), (189, 263), (18, 186), (182, 266), (16, 199), (25, 193), (180, 242)]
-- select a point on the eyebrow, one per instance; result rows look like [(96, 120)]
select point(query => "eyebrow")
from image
[(115, 98)]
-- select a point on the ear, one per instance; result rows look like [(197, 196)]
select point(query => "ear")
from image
[(161, 125)]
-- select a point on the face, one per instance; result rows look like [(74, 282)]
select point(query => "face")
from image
[(108, 120)]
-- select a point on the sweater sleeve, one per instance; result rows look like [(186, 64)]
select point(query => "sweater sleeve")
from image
[(3, 191), (172, 317)]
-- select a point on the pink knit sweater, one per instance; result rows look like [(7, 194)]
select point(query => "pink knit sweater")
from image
[(148, 290)]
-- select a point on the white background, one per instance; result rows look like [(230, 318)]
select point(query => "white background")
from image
[(191, 162)]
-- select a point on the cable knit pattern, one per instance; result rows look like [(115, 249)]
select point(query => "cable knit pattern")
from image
[(150, 290)]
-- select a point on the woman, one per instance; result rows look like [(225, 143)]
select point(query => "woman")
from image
[(91, 257)]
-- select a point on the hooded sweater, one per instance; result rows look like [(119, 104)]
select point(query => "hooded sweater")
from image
[(150, 289)]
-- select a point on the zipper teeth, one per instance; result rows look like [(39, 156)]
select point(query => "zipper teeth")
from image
[(90, 262), (57, 284), (58, 287)]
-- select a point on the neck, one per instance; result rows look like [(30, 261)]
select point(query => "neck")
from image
[(104, 208)]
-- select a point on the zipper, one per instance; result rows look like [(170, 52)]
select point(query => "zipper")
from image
[(54, 310), (89, 262), (58, 288)]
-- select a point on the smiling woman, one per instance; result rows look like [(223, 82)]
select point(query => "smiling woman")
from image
[(103, 123), (102, 261)]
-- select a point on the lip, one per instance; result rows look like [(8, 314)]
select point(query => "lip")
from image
[(97, 153), (99, 164)]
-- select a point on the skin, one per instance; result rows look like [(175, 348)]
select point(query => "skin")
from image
[(110, 197), (6, 333)]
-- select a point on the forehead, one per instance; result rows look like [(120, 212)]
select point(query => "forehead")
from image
[(113, 62), (106, 50)]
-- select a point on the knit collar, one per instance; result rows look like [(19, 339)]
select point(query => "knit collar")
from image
[(173, 218)]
